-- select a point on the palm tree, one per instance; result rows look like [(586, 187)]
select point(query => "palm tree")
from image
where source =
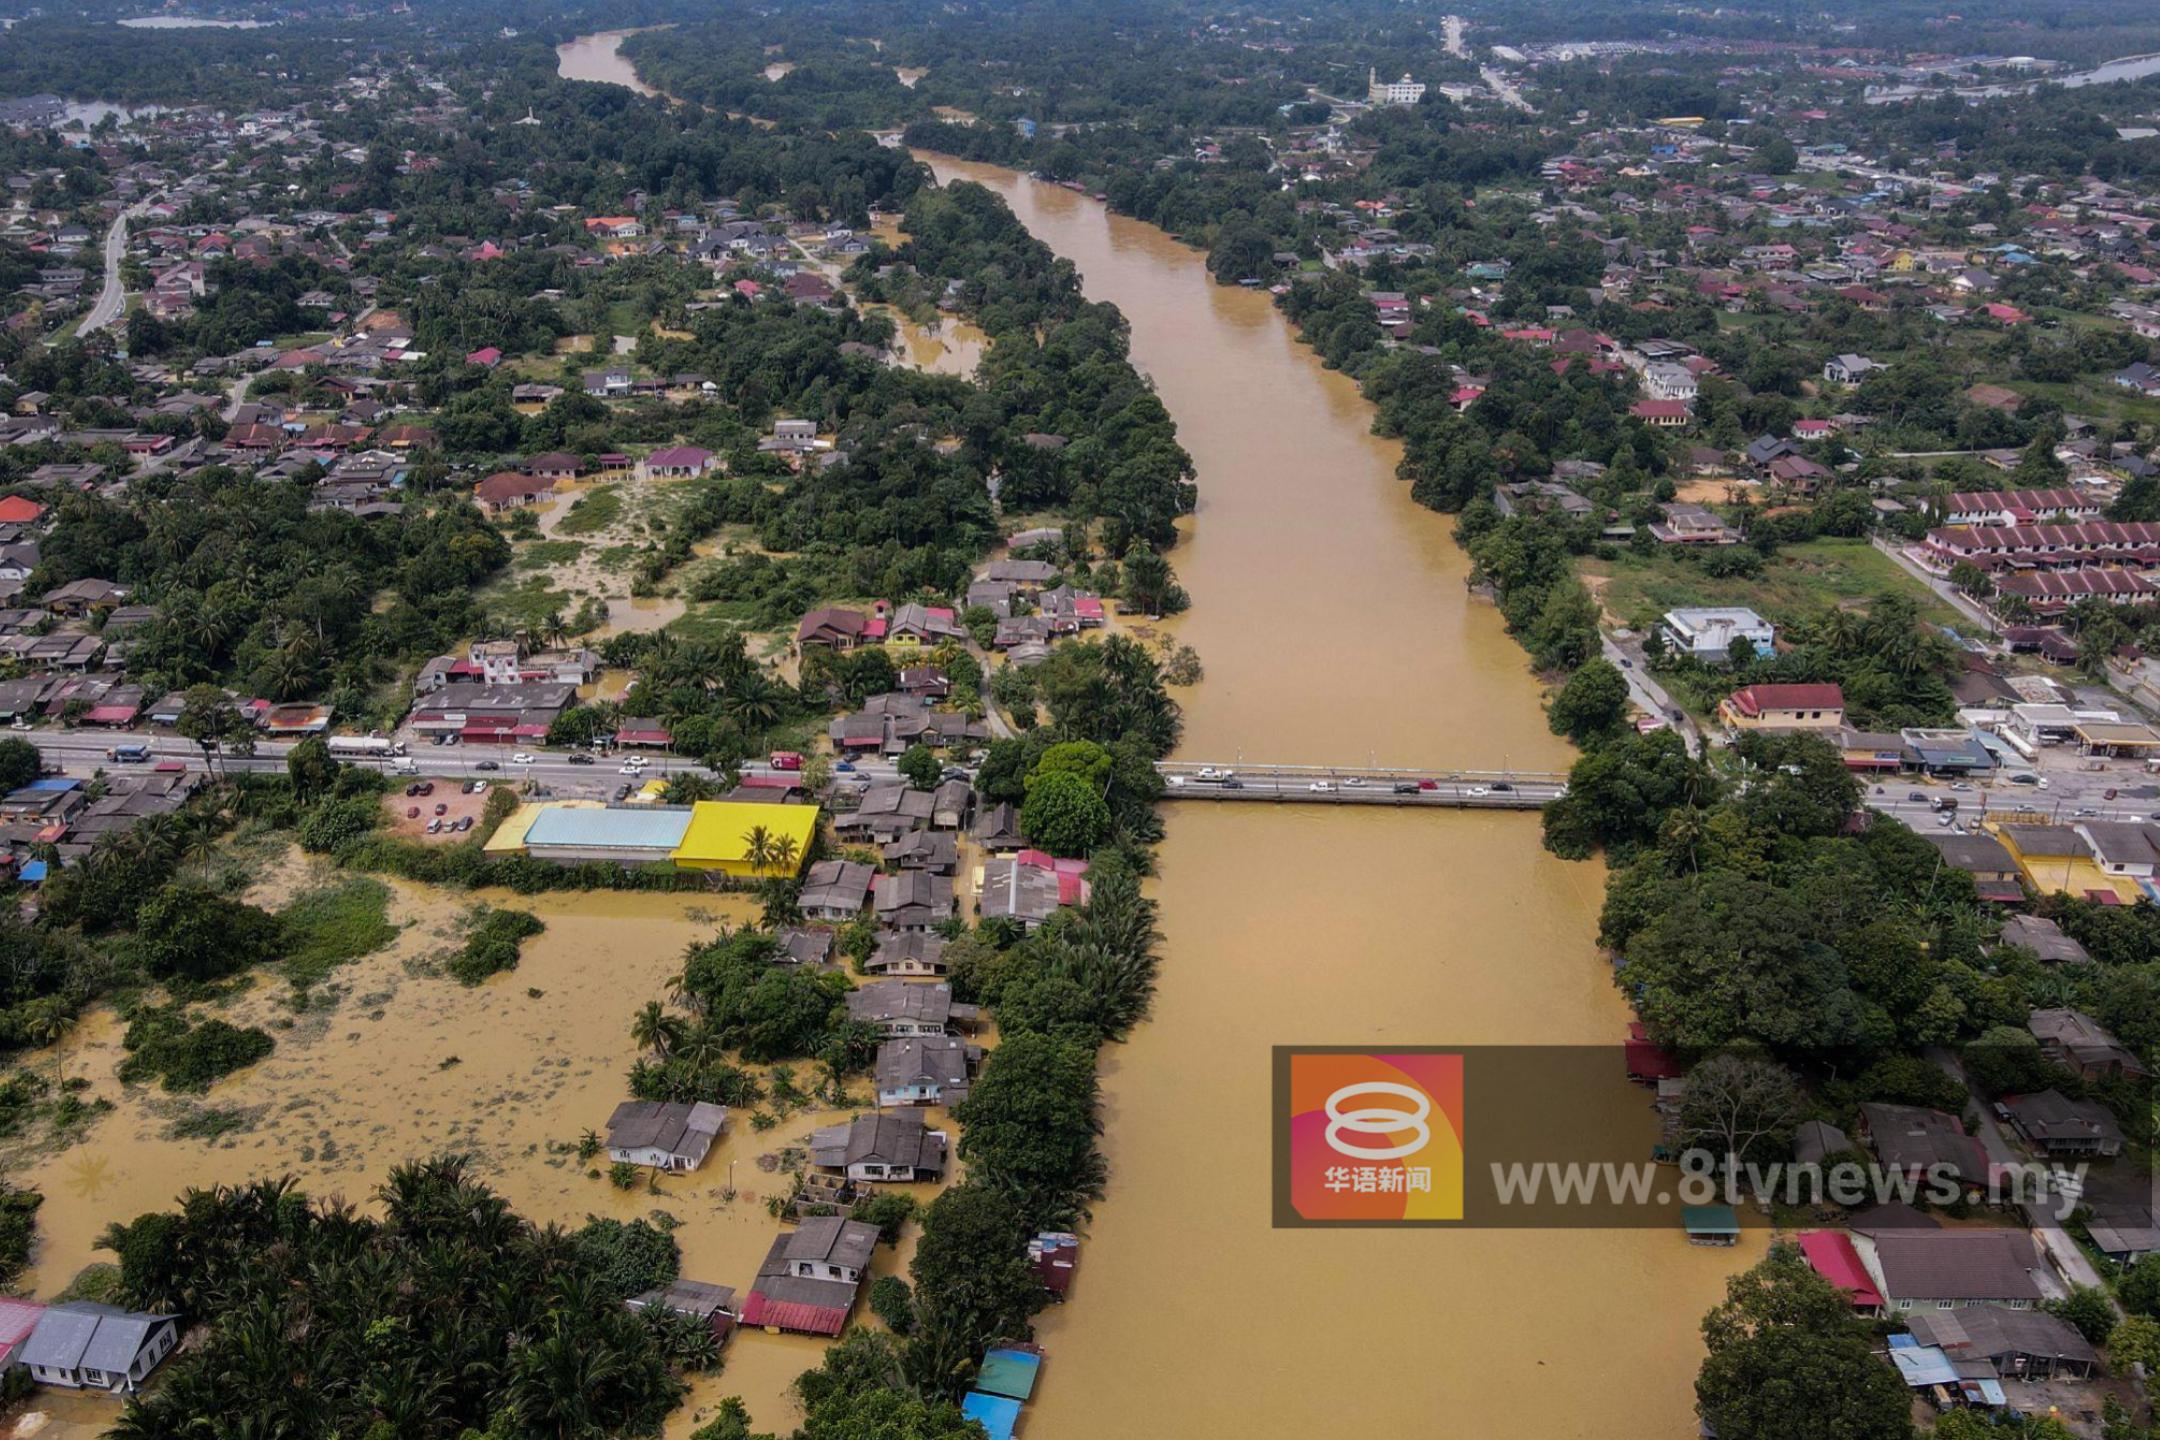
[(758, 848), (48, 1024), (786, 850), (656, 1030)]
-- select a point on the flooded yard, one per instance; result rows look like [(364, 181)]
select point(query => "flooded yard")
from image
[(407, 1064)]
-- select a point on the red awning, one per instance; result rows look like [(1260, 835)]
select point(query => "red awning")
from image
[(110, 715), (759, 1312)]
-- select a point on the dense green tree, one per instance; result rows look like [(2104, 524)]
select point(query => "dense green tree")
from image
[(1064, 814), (1593, 704)]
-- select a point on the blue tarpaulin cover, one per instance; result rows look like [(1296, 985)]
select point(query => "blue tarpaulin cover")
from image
[(997, 1414), (1009, 1372)]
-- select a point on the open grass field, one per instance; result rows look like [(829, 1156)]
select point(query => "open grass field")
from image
[(1801, 581)]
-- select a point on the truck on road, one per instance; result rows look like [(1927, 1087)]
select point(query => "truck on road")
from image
[(357, 747)]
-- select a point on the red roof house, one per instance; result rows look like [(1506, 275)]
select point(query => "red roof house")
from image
[(1833, 1257)]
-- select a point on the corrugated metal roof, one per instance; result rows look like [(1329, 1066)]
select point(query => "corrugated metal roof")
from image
[(648, 827)]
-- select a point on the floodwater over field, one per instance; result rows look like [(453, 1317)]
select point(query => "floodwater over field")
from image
[(409, 1065), (947, 346), (598, 58), (1335, 626)]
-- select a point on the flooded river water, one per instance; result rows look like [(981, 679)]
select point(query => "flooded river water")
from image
[(1335, 626)]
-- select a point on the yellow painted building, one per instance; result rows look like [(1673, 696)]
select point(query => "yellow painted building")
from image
[(720, 830), (2056, 860)]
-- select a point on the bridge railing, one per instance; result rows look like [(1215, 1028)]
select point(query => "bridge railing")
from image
[(1379, 772)]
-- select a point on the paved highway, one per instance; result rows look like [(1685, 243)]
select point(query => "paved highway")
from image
[(113, 298)]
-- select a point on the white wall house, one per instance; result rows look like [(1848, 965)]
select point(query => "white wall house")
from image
[(1707, 632)]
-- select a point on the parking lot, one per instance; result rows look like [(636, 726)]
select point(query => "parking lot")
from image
[(450, 797)]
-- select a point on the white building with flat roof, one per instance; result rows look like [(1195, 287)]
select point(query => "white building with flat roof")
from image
[(1707, 632), (1394, 92)]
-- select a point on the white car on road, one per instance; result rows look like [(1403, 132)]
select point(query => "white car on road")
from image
[(1477, 792), (1321, 787), (521, 758)]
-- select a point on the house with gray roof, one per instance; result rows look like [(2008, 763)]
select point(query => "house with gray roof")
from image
[(85, 1346), (2054, 1124), (912, 899), (2044, 938), (924, 1070), (2019, 1344), (1923, 1143), (898, 1009), (1954, 1269), (916, 952), (891, 1146), (664, 1134), (836, 889)]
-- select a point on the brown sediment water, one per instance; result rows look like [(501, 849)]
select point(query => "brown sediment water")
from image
[(598, 58), (950, 346), (1335, 626), (407, 1066)]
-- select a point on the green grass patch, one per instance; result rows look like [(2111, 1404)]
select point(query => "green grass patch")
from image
[(1801, 581), (619, 557), (709, 620), (492, 947), (185, 1054), (2095, 396), (526, 604), (333, 926), (540, 554), (589, 514)]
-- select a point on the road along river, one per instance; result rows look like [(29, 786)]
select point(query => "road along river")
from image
[(1335, 628)]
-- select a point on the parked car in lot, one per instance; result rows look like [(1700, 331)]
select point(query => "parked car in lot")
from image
[(474, 787), (464, 823), (434, 827), (441, 809), (412, 812)]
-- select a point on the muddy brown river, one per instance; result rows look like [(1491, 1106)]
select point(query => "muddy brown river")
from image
[(1335, 627)]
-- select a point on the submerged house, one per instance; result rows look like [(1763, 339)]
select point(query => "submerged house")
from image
[(891, 1147), (663, 1134), (808, 1281)]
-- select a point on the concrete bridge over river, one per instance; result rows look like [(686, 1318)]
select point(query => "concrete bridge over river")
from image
[(1360, 785)]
